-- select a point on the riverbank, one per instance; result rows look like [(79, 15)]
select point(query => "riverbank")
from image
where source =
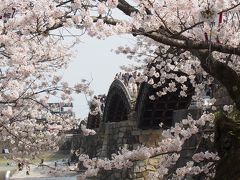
[(48, 171), (55, 166)]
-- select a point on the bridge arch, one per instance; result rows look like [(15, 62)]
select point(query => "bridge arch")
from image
[(150, 113), (118, 103)]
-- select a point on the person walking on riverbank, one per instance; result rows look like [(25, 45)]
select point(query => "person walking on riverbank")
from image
[(55, 164), (27, 170), (7, 175)]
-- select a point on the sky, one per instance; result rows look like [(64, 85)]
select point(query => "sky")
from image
[(95, 62)]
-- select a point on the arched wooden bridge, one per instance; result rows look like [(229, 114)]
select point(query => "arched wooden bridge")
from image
[(150, 113)]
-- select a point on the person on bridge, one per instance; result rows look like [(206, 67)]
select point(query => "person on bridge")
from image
[(116, 76), (125, 79)]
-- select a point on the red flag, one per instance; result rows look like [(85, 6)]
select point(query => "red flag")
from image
[(220, 18)]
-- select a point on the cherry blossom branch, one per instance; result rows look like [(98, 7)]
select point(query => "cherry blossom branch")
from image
[(190, 44), (175, 35), (231, 8)]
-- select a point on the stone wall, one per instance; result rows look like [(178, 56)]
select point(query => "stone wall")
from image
[(114, 135)]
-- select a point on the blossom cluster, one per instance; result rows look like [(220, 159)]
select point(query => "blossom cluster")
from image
[(169, 149)]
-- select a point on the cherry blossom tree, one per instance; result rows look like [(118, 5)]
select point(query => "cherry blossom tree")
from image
[(198, 38), (30, 59)]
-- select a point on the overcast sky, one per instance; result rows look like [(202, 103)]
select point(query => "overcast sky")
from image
[(95, 61)]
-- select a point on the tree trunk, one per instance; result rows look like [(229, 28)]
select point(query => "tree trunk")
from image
[(222, 72), (227, 141)]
